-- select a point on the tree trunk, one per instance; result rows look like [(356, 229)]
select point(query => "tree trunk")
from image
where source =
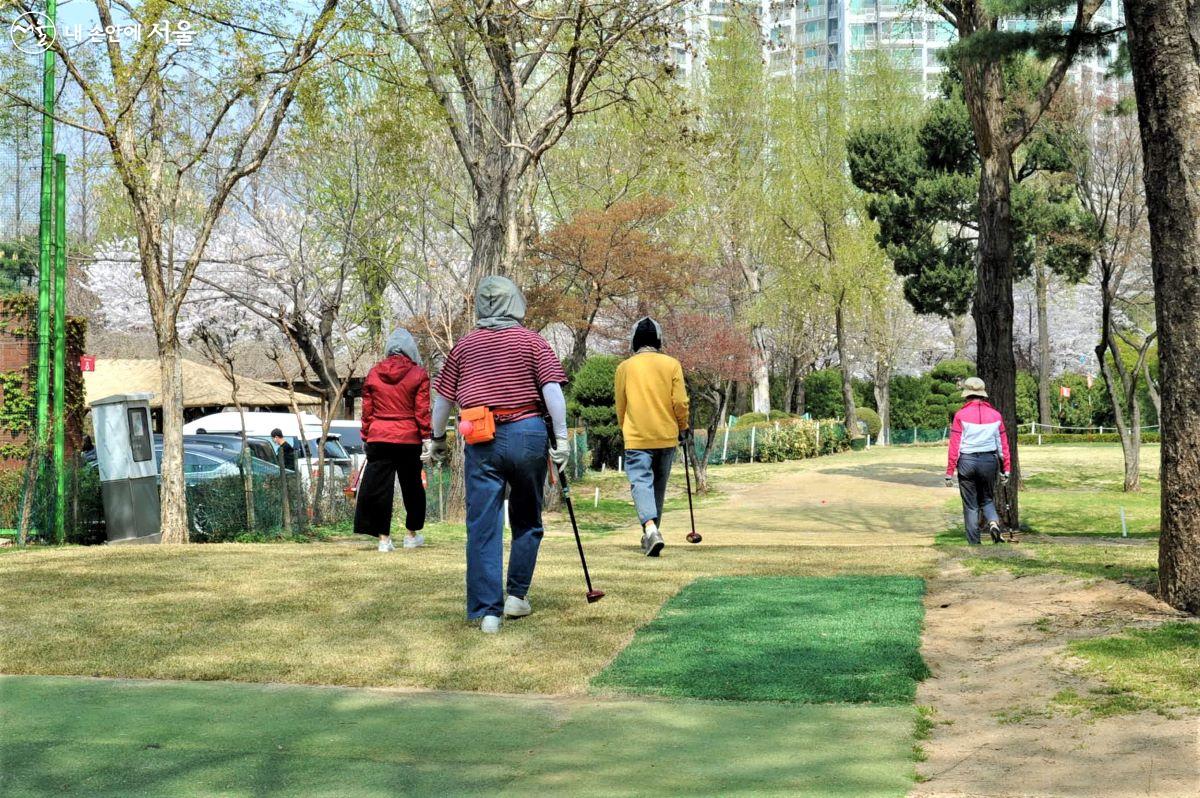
[(993, 308), (851, 421), (789, 392), (722, 398), (801, 397), (578, 350), (883, 400), (244, 459), (959, 334), (1166, 79), (172, 493), (1041, 290), (759, 370)]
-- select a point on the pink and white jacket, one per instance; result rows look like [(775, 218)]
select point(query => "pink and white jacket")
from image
[(977, 428)]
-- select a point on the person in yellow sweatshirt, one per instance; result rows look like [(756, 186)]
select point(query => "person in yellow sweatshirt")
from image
[(652, 409)]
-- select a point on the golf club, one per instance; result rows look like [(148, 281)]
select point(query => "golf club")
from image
[(693, 536), (593, 595)]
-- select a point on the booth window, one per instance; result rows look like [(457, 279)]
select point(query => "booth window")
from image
[(139, 434)]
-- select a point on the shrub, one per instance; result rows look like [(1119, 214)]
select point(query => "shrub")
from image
[(823, 393), (794, 440), (871, 419), (777, 415), (747, 419), (833, 436), (592, 402), (1093, 437)]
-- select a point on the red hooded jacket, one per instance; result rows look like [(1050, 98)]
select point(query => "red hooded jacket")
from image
[(395, 402)]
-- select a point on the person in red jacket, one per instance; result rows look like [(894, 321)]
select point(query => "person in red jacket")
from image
[(395, 429)]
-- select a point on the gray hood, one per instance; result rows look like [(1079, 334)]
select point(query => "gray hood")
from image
[(498, 303), (401, 342)]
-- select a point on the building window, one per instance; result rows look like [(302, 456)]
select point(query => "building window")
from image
[(862, 33)]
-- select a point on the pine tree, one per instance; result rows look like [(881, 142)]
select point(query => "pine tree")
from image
[(1000, 125), (1166, 79)]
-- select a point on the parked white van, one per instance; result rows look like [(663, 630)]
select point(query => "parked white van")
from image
[(260, 425)]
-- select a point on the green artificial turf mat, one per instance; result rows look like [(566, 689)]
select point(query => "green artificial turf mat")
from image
[(818, 640), (101, 738)]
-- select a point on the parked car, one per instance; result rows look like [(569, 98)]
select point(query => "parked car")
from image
[(202, 463), (350, 432), (262, 449), (259, 425)]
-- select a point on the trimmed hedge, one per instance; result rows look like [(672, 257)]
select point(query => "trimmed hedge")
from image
[(1091, 437)]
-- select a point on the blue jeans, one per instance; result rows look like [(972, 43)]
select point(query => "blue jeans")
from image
[(648, 471), (976, 483), (516, 458)]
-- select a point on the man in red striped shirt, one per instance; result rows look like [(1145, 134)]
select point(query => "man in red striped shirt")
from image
[(513, 372)]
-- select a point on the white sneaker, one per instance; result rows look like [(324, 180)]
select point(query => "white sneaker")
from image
[(516, 607), (414, 541), (386, 545), (490, 624)]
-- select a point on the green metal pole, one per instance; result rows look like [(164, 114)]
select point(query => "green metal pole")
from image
[(45, 261), (60, 347)]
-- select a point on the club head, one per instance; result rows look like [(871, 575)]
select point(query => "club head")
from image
[(594, 595), (694, 537)]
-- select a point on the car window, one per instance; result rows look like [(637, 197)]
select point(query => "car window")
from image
[(352, 440), (197, 463)]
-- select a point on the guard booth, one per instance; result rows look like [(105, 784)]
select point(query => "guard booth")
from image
[(128, 468)]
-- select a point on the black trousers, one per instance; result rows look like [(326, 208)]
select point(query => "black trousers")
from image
[(976, 482), (376, 491)]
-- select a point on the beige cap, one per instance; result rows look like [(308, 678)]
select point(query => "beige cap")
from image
[(973, 386)]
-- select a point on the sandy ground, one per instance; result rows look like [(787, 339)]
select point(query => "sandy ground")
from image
[(995, 673)]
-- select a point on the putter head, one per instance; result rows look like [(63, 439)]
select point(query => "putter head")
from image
[(694, 537), (594, 595)]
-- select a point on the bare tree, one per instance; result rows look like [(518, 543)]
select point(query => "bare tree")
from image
[(1110, 188), (219, 341), (511, 76), (182, 134)]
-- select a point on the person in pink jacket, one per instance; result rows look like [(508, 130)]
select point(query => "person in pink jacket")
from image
[(978, 450)]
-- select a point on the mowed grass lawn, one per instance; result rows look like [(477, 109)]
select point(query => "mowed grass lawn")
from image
[(66, 736), (343, 614)]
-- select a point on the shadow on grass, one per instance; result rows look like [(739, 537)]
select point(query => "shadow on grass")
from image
[(916, 474)]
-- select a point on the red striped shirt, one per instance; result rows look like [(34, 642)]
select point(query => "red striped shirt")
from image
[(500, 369)]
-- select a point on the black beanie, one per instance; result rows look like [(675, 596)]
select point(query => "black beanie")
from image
[(646, 334)]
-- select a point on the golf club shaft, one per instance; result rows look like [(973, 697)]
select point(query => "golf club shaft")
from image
[(566, 494), (687, 475)]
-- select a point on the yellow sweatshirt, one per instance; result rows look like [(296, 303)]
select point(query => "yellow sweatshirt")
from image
[(652, 402)]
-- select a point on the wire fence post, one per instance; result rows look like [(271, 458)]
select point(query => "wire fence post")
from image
[(725, 446), (753, 431)]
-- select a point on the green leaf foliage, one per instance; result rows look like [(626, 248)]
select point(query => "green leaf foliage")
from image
[(922, 181)]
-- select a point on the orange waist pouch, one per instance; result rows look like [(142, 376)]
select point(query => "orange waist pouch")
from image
[(477, 424)]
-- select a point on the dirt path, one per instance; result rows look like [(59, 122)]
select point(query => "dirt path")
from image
[(995, 644)]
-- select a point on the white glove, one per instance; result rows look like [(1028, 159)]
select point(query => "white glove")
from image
[(949, 481), (1004, 478), (426, 451), (560, 454)]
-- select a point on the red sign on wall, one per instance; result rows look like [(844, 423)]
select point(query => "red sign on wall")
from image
[(1065, 391), (87, 362)]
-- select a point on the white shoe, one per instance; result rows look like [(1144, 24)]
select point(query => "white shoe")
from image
[(490, 624), (516, 607), (412, 542), (386, 545)]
